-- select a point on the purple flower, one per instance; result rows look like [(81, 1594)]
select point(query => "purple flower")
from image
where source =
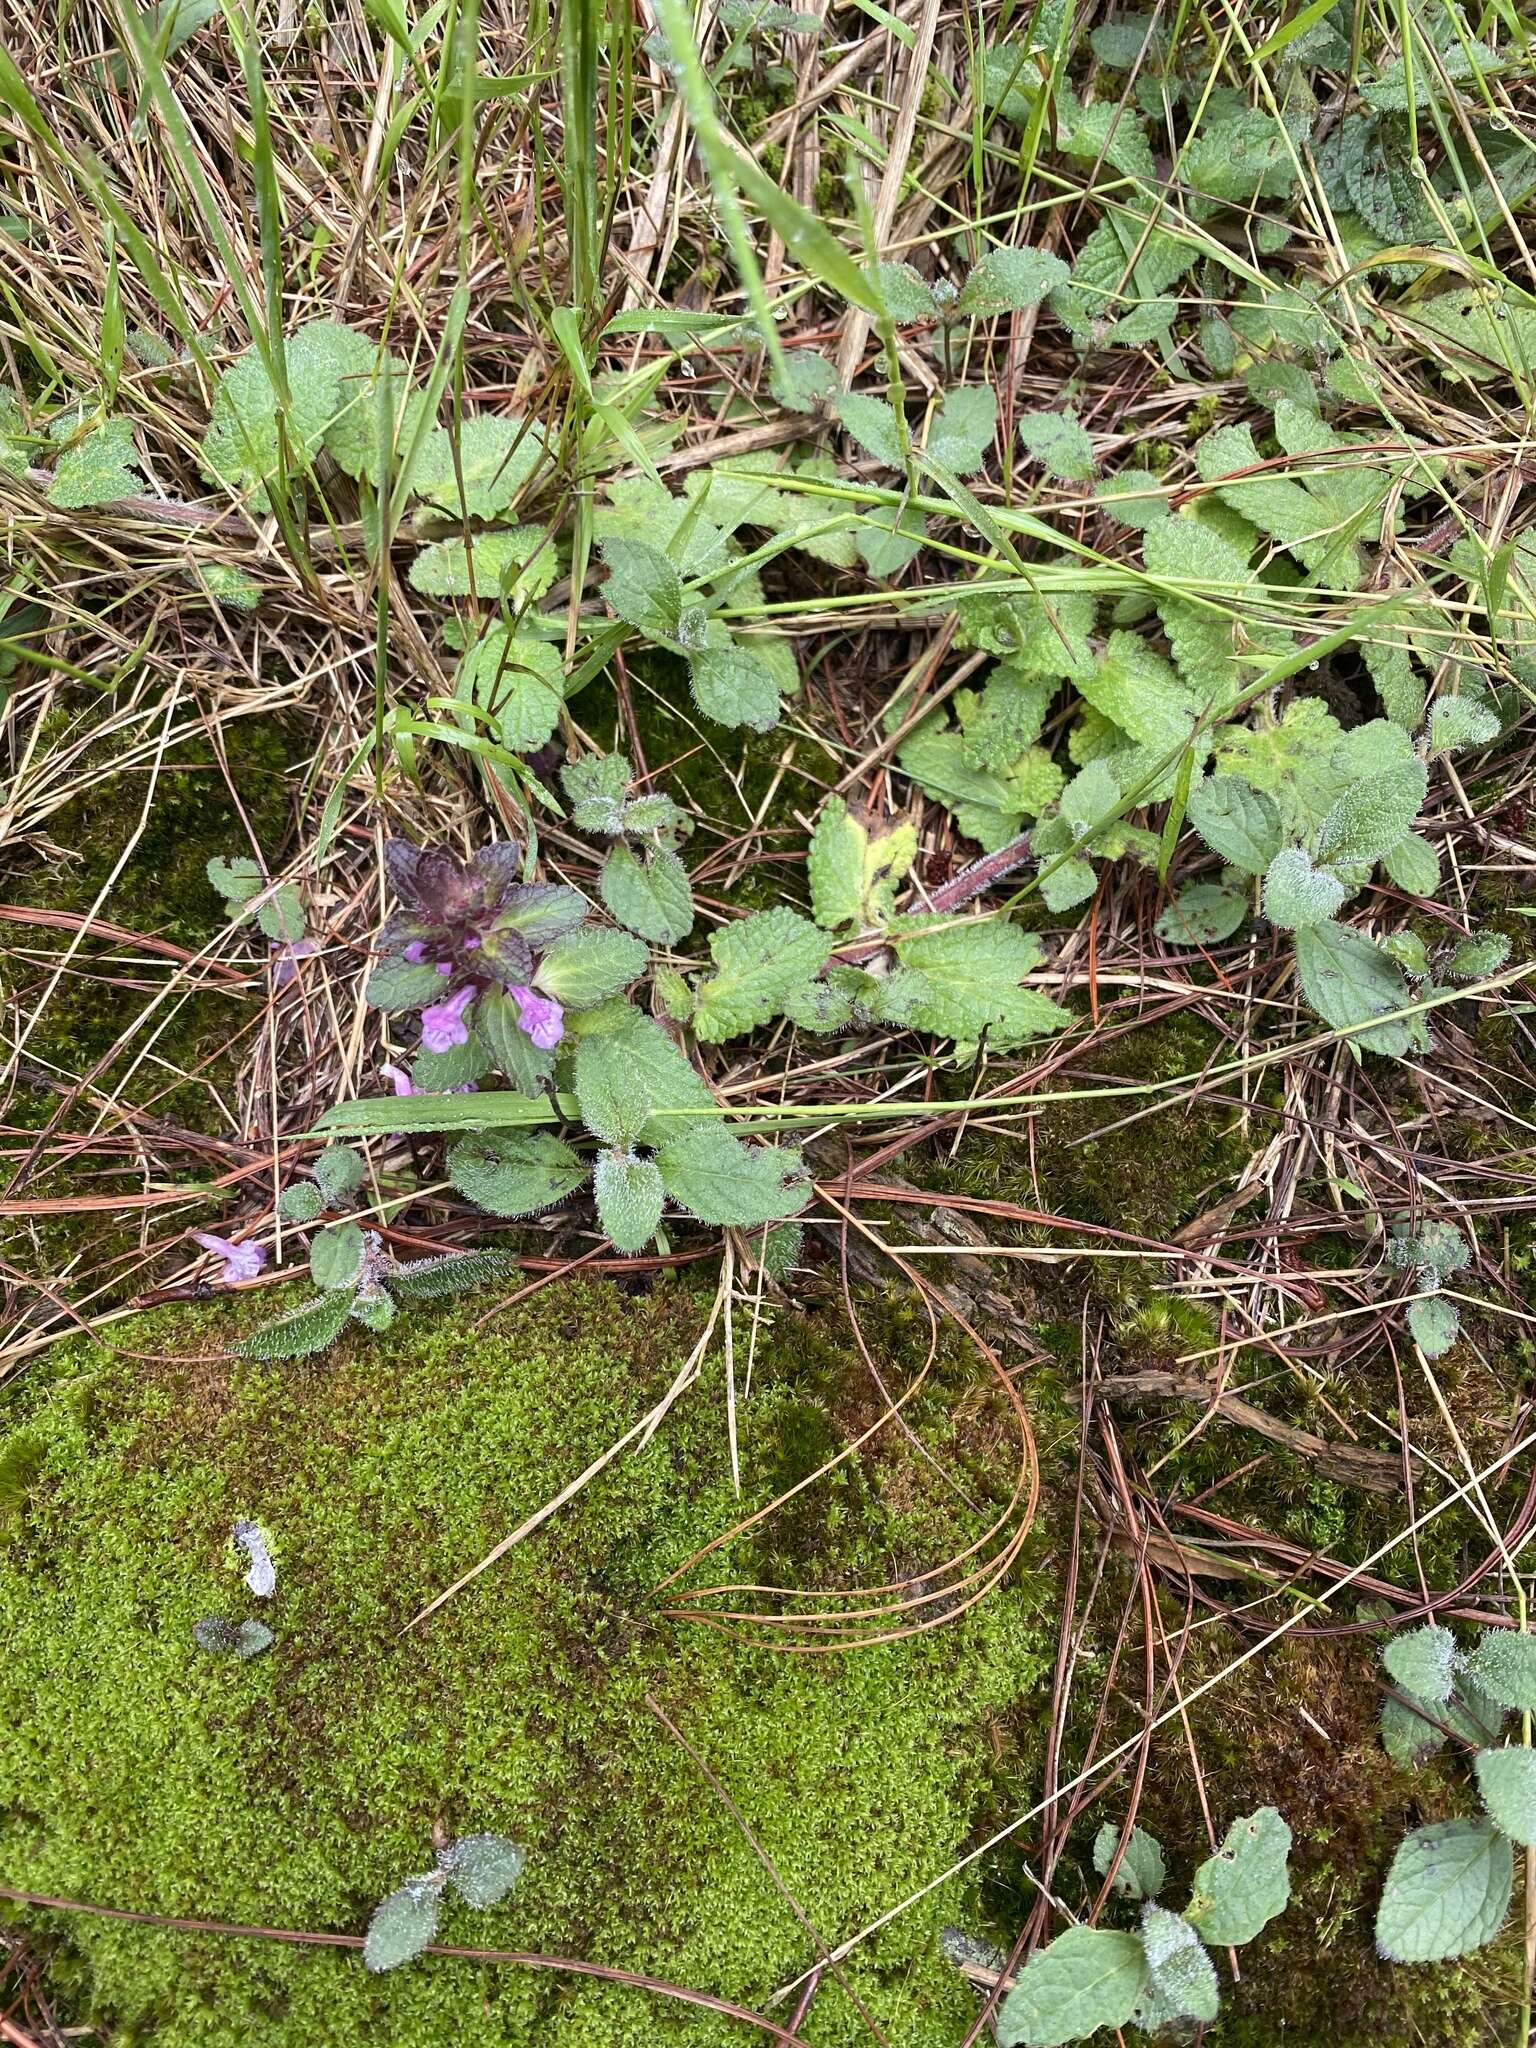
[(540, 1016), (241, 1261), (403, 1084), (442, 1024), (416, 951)]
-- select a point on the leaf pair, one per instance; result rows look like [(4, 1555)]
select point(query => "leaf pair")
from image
[(731, 683), (482, 1869), (643, 883), (280, 913)]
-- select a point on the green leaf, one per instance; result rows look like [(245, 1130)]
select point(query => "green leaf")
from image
[(281, 917), (1422, 1662), (482, 1869), (497, 458), (1145, 696), (400, 984), (519, 681), (759, 960), (1089, 1977), (1413, 865), (1349, 981), (732, 686), (517, 564), (339, 1170), (1373, 815), (237, 881), (300, 1202), (597, 785), (1296, 894), (644, 588), (1504, 1666), (589, 966), (498, 1028), (1454, 722), (630, 1198), (1474, 958), (336, 1256), (1059, 442), (1135, 497), (1181, 1981), (1142, 1871), (98, 470), (1240, 1889), (962, 978), (649, 892), (1202, 915), (403, 1924), (432, 1279), (313, 1327), (1236, 821), (1434, 1324), (854, 869), (1447, 1892), (373, 1308), (1507, 1780), (515, 1176), (323, 360), (721, 1181), (965, 428), (907, 296), (873, 425), (1009, 281)]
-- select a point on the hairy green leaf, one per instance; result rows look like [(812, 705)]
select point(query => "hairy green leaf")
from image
[(403, 1924), (649, 892), (1507, 1780), (98, 470), (589, 966), (1009, 281), (724, 1182), (313, 1327), (1349, 981), (1296, 894), (1447, 1892), (1373, 815), (1236, 821), (1089, 1977), (1142, 1871), (482, 1869), (630, 1197), (1240, 1889), (1422, 1662), (962, 978), (759, 960), (1059, 442), (1181, 1982), (1504, 1666), (336, 1256), (1202, 915), (515, 1175)]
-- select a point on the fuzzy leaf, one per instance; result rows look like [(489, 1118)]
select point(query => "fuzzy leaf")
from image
[(1459, 722), (323, 360), (98, 470), (1135, 497), (1477, 957), (1349, 981), (517, 564), (314, 1327), (1059, 442), (589, 966), (402, 1924), (1142, 1870), (854, 869), (721, 1181), (1089, 1977), (873, 425), (733, 687), (1236, 821), (1434, 1323), (962, 979), (1447, 1892), (1507, 1780), (281, 917), (519, 681), (759, 961), (515, 1176), (1373, 815), (1181, 1982), (1240, 1889), (965, 428), (1202, 915), (907, 296), (300, 1202), (482, 1869), (336, 1256), (496, 458), (630, 1198), (1504, 1666), (649, 892), (237, 880), (1009, 281), (339, 1170), (643, 588), (1296, 894), (400, 984), (1413, 865), (432, 1279), (1422, 1662)]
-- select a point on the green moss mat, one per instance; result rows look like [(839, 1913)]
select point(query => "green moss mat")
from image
[(297, 1789)]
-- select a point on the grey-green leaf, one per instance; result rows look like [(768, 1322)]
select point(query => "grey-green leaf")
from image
[(515, 1175), (1009, 280), (483, 1868), (1349, 981), (1447, 1892), (1296, 894), (339, 1170), (1507, 1780), (643, 588), (314, 1327), (589, 966), (402, 1924), (721, 1181), (732, 686), (1422, 1662), (630, 1198), (336, 1256), (1435, 1324), (1236, 821), (1373, 814), (1202, 915), (1059, 442), (1182, 1978), (1246, 1883), (1504, 1665), (300, 1202), (649, 893), (1089, 1977), (1142, 1869)]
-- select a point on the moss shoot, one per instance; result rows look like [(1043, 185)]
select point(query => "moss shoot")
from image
[(295, 1790)]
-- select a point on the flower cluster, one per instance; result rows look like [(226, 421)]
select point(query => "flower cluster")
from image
[(478, 926)]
